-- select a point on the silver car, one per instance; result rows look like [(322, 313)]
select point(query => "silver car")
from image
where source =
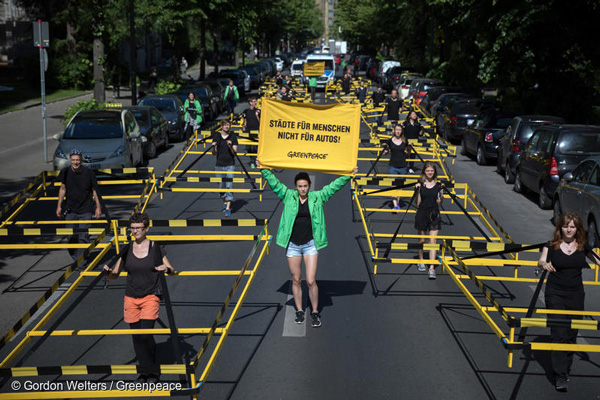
[(579, 191), (106, 139)]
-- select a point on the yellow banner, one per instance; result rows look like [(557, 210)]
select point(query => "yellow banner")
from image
[(309, 137), (314, 68)]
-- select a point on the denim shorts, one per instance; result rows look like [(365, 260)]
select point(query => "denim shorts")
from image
[(397, 171), (307, 249)]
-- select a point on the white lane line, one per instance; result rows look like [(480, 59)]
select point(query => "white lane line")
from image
[(41, 311), (541, 299), (290, 327)]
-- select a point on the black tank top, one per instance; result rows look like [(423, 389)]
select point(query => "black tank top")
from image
[(429, 196), (568, 269)]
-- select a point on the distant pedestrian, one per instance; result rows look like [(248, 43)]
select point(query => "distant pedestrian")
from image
[(251, 124), (302, 233), (312, 84), (412, 127), (428, 221), (153, 79), (224, 146), (284, 93), (193, 114), (398, 148), (361, 92), (80, 187), (183, 66), (393, 105), (143, 261), (564, 257), (346, 83), (231, 97), (378, 99)]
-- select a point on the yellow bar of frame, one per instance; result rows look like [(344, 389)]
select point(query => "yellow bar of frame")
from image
[(428, 236), (175, 238), (565, 347), (414, 212), (111, 332), (210, 190), (118, 197), (546, 311), (49, 246), (185, 273), (217, 172)]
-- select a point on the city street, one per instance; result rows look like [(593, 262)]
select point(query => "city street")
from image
[(386, 336)]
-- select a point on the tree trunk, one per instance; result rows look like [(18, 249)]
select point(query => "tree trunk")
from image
[(99, 86), (216, 52), (71, 38), (203, 49)]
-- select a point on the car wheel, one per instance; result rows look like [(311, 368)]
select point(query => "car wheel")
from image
[(592, 236), (480, 157), (544, 201), (508, 176), (557, 211), (518, 186), (463, 148), (165, 145), (150, 150)]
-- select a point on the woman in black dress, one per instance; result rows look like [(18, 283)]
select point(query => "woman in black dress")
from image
[(412, 128), (564, 257), (428, 220), (398, 147)]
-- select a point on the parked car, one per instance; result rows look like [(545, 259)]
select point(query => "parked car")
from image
[(437, 109), (268, 67), (579, 192), (246, 78), (383, 67), (237, 78), (218, 91), (551, 152), (278, 63), (261, 70), (402, 84), (433, 93), (254, 77), (422, 86), (153, 126), (201, 95), (396, 75), (297, 69), (482, 137), (515, 137), (171, 108), (458, 113), (106, 139)]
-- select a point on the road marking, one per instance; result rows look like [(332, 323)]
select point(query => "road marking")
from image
[(31, 143), (541, 298), (290, 327), (48, 303)]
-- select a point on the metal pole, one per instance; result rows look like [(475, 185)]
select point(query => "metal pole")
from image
[(132, 51), (43, 85)]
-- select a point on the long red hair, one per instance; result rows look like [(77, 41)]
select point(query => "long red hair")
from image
[(563, 220)]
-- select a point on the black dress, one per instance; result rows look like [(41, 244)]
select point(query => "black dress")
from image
[(428, 216)]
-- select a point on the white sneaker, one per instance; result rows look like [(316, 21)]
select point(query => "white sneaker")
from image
[(422, 267)]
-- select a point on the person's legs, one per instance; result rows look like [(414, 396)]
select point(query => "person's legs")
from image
[(310, 263), (295, 265), (421, 241), (558, 334), (432, 253), (229, 185)]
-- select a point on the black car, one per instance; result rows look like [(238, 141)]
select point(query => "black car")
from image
[(458, 114), (482, 137), (254, 77), (261, 70), (515, 137), (552, 151), (202, 97), (170, 107), (153, 127), (218, 91), (437, 109), (433, 94)]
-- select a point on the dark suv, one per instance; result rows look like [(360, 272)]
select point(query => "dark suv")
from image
[(551, 152), (515, 137), (458, 113)]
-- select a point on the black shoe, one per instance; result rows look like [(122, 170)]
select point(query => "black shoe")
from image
[(315, 319), (299, 317), (561, 384), (141, 379)]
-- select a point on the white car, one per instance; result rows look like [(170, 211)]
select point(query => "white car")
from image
[(384, 67), (246, 80), (297, 69), (278, 63), (328, 74)]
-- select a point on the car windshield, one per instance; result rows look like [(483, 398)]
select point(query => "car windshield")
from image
[(297, 67), (231, 75), (141, 117), (94, 129), (579, 143), (163, 105), (201, 92), (467, 108)]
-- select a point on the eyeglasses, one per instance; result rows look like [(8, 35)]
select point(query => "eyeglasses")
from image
[(137, 228)]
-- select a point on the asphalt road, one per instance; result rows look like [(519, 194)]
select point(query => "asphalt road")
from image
[(394, 335)]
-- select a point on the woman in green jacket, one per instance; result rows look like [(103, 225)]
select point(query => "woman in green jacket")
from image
[(193, 114), (302, 232)]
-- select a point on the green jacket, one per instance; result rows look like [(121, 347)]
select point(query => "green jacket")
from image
[(236, 95), (312, 81), (316, 199), (198, 108)]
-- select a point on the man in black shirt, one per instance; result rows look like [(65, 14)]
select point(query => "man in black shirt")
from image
[(79, 185), (346, 84), (251, 123), (393, 106), (361, 92), (224, 146), (378, 98)]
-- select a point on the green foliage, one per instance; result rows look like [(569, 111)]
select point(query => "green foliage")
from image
[(165, 87), (68, 70), (82, 105)]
